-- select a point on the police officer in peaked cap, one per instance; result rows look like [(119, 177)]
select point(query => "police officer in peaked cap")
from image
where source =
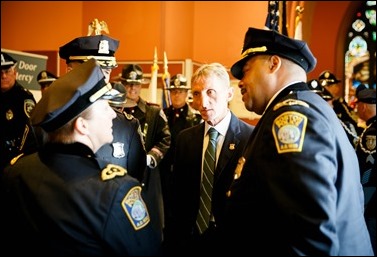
[(180, 115), (127, 148), (45, 78), (366, 152), (64, 181), (156, 134), (17, 104)]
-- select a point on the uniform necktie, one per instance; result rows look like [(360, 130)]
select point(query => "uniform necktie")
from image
[(209, 165)]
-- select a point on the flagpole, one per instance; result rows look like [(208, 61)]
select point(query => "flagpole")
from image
[(153, 83), (166, 82)]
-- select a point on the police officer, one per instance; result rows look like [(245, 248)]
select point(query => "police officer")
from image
[(45, 78), (366, 152), (348, 117), (127, 148), (155, 130), (296, 189), (17, 103), (350, 127), (180, 115), (62, 202)]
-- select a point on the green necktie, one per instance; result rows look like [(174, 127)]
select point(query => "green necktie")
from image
[(209, 165)]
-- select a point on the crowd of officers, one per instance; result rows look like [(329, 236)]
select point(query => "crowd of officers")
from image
[(90, 218)]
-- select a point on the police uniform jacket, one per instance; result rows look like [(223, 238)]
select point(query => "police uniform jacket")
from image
[(366, 152), (187, 171), (155, 130), (15, 129), (74, 208), (297, 191), (127, 148)]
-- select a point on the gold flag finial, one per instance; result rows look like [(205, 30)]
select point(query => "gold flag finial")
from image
[(97, 27)]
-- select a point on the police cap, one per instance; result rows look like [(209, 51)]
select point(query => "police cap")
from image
[(7, 61), (317, 88), (178, 81), (270, 42), (367, 95), (133, 74), (326, 78), (45, 77), (100, 47), (69, 95)]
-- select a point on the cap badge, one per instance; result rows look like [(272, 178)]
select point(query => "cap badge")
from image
[(103, 47), (44, 75), (177, 83), (132, 75)]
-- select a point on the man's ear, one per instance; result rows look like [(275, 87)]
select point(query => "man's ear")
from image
[(81, 126)]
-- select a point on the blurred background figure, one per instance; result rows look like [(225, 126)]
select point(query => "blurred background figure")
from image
[(331, 84), (366, 153), (157, 138), (16, 104), (45, 78), (351, 128), (180, 115)]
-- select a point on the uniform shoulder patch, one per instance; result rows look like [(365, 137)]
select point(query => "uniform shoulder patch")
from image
[(111, 171), (135, 208), (290, 102), (29, 105), (289, 131)]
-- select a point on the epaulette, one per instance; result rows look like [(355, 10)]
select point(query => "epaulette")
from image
[(15, 159), (290, 102), (111, 171)]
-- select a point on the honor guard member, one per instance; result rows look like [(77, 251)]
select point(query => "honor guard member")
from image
[(16, 105), (45, 78), (180, 115), (127, 148), (156, 134), (62, 202), (349, 118), (366, 152), (296, 190), (351, 130)]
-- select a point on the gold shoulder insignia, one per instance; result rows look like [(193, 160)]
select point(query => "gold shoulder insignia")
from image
[(135, 208), (289, 131), (15, 159), (111, 171), (290, 102)]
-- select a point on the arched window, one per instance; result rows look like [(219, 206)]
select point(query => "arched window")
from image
[(360, 52)]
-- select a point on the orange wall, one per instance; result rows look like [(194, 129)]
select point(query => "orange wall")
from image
[(204, 31)]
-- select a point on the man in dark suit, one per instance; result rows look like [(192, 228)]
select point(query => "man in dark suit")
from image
[(297, 188), (212, 92)]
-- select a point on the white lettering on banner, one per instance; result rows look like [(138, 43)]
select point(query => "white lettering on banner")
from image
[(24, 77), (26, 66)]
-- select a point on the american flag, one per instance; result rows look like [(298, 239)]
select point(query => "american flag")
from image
[(272, 19)]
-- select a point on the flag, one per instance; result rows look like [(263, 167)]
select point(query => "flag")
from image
[(166, 102), (275, 20), (272, 19), (298, 23), (153, 84)]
